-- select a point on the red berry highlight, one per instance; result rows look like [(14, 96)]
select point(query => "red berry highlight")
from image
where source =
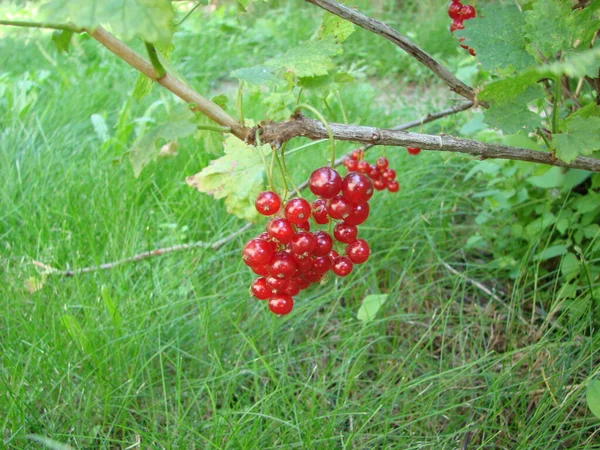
[(267, 203), (281, 304), (325, 182)]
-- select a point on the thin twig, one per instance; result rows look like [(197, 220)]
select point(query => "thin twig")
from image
[(387, 32), (475, 283), (48, 270), (49, 25)]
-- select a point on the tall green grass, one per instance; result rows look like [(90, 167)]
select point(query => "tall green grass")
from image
[(171, 352)]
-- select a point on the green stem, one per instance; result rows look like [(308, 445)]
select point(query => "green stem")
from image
[(240, 104), (342, 106), (217, 128), (287, 172), (555, 109), (262, 155), (546, 141), (325, 124), (153, 55), (284, 178), (188, 14), (28, 24), (299, 96)]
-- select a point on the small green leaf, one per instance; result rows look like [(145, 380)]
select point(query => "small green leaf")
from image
[(370, 306), (307, 60), (548, 26), (62, 40), (551, 252), (336, 27), (238, 177), (553, 178), (111, 308), (570, 266), (592, 397), (581, 138), (77, 334), (143, 86), (256, 76)]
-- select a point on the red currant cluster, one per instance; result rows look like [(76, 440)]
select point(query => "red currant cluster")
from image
[(459, 13), (380, 174), (288, 256)]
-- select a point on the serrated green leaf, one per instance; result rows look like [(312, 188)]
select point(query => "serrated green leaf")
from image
[(497, 37), (513, 115), (551, 252), (592, 396), (212, 142), (310, 59), (570, 266), (150, 20), (548, 26), (552, 178), (334, 27), (180, 123), (581, 138), (62, 40), (575, 64), (143, 86), (370, 306), (238, 177), (256, 76)]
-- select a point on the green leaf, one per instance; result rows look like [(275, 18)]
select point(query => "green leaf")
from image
[(498, 37), (112, 309), (370, 306), (548, 26), (77, 334), (238, 177), (592, 396), (334, 27), (581, 138), (570, 266), (551, 252), (150, 20), (552, 178), (62, 40), (256, 76), (575, 64), (143, 86), (513, 115), (307, 60), (180, 123)]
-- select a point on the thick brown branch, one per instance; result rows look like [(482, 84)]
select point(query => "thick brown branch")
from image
[(396, 38), (180, 89), (300, 125)]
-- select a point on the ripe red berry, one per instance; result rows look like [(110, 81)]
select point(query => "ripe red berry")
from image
[(319, 211), (413, 151), (260, 270), (457, 24), (324, 243), (339, 207), (281, 230), (257, 252), (363, 166), (352, 165), (389, 174), (282, 266), (313, 276), (302, 262), (276, 284), (380, 184), (325, 182), (357, 155), (374, 173), (359, 214), (467, 12), (297, 211), (260, 289), (382, 163), (281, 304), (303, 226), (393, 186), (303, 283), (293, 287), (342, 266), (345, 233), (303, 243), (333, 254), (357, 188), (358, 251), (321, 264), (454, 10), (267, 203)]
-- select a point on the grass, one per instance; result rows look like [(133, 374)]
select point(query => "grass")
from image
[(170, 352)]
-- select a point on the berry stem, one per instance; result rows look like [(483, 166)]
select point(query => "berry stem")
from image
[(325, 124), (283, 174), (296, 190), (240, 103), (337, 93), (268, 170)]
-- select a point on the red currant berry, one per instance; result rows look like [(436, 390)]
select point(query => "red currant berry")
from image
[(380, 184), (454, 10), (357, 188), (303, 283), (293, 287), (374, 173), (276, 284), (339, 208), (332, 255), (303, 243), (389, 174), (314, 277), (357, 155), (297, 211), (382, 162), (413, 151), (260, 289), (321, 264), (303, 263), (352, 165), (363, 166), (457, 24), (267, 203), (260, 270), (303, 226), (393, 186), (281, 230), (359, 214), (282, 266), (345, 233), (281, 304), (358, 251), (324, 243), (342, 266), (325, 182), (319, 208), (467, 12), (257, 252)]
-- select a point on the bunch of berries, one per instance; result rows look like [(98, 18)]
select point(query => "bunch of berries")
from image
[(459, 13), (288, 257), (380, 174)]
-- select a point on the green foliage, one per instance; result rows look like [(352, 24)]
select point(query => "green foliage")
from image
[(581, 137), (238, 177), (370, 306), (593, 397)]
